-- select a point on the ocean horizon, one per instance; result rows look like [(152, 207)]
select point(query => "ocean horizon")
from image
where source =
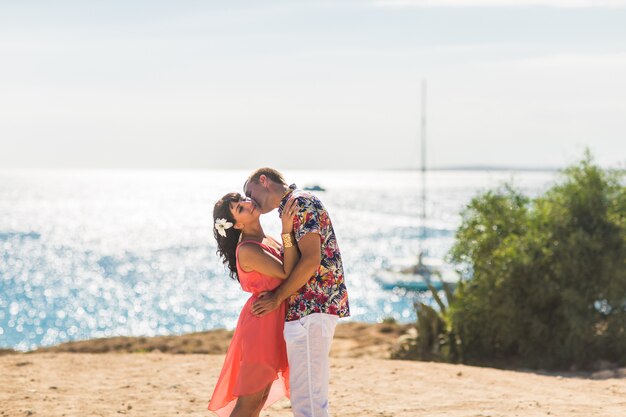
[(100, 253)]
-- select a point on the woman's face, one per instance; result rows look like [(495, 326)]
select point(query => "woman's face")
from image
[(245, 210)]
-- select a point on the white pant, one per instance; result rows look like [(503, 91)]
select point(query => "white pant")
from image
[(308, 345)]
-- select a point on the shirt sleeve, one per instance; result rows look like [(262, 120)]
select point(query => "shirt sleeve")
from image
[(307, 219)]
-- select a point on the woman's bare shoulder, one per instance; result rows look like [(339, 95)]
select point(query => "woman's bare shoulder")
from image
[(249, 248)]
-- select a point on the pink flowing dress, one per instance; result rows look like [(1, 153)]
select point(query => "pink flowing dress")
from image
[(257, 355)]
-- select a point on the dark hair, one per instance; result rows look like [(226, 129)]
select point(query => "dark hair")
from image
[(227, 246), (270, 173)]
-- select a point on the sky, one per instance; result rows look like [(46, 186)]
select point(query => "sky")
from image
[(311, 84)]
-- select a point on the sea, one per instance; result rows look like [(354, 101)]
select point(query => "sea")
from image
[(88, 254)]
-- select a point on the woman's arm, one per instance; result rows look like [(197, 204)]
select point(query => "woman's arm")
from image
[(254, 258), (291, 254)]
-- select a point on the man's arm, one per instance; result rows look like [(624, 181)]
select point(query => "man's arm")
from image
[(310, 246)]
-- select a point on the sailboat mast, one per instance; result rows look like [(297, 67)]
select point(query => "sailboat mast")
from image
[(423, 164)]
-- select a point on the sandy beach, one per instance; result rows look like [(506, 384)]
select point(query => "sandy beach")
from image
[(69, 380)]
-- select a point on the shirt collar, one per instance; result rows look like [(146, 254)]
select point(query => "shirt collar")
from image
[(286, 196)]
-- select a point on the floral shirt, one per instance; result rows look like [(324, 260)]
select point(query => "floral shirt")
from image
[(325, 292)]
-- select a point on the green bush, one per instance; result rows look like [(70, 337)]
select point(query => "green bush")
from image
[(547, 283), (432, 339)]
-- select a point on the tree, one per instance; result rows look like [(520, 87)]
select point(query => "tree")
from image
[(546, 276)]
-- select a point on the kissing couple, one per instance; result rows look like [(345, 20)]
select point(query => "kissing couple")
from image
[(282, 341)]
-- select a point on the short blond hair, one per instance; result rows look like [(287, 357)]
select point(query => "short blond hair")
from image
[(270, 173)]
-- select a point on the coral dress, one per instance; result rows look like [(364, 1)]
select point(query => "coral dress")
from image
[(257, 355)]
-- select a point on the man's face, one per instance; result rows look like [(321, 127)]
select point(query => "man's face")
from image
[(258, 193)]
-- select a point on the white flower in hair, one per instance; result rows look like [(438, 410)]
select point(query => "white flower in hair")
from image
[(221, 225)]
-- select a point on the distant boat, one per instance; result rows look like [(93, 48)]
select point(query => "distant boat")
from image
[(314, 187), (427, 273), (414, 283)]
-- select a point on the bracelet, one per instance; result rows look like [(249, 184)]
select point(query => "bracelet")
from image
[(287, 240)]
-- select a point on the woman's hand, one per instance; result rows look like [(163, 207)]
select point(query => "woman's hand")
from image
[(290, 210)]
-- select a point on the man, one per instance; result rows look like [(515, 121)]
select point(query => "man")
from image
[(315, 289)]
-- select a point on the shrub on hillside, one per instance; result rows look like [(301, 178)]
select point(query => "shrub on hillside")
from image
[(548, 275)]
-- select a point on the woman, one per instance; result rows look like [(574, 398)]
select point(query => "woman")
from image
[(255, 371)]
